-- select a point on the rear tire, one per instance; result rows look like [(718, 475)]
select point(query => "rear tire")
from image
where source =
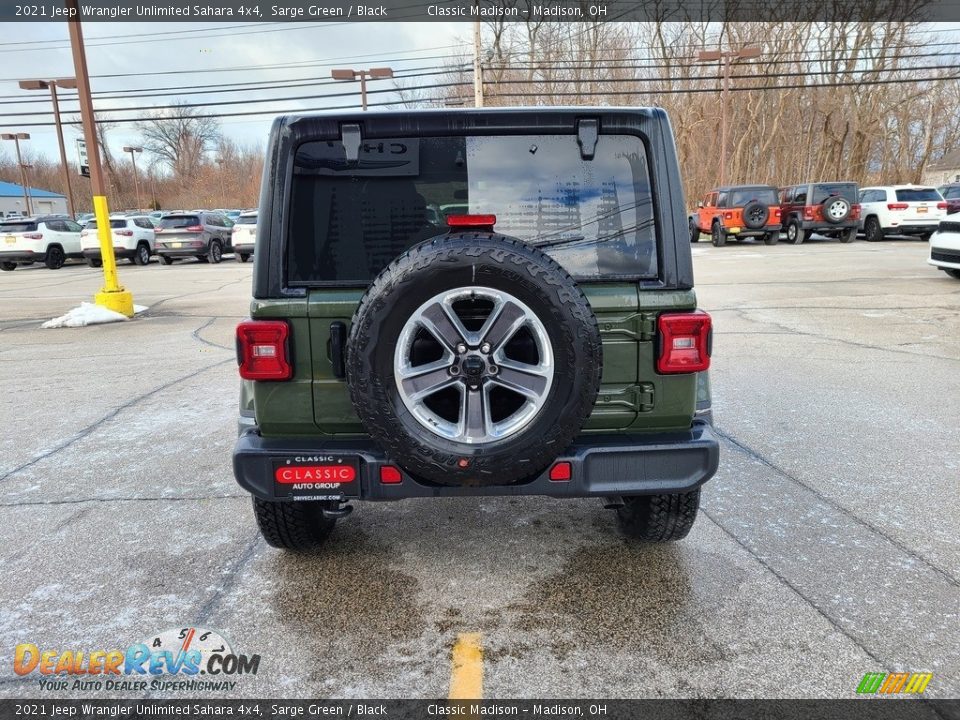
[(658, 518), (949, 271), (795, 232), (772, 238), (8, 266), (292, 525), (872, 230), (926, 236), (94, 263), (849, 236), (55, 257), (243, 257), (166, 260), (216, 252), (718, 236)]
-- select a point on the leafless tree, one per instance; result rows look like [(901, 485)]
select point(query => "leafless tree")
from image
[(180, 137)]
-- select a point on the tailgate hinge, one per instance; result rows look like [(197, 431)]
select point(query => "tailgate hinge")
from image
[(646, 325), (644, 395), (588, 129), (351, 139)]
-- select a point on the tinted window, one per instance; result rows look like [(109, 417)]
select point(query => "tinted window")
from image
[(348, 220), (55, 225), (722, 199), (800, 194), (952, 193), (917, 195), (72, 226), (214, 220), (15, 227), (247, 220), (823, 191), (172, 222), (740, 197)]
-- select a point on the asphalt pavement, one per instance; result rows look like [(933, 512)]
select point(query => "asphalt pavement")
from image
[(826, 547)]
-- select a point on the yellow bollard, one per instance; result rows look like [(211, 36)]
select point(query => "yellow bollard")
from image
[(112, 295)]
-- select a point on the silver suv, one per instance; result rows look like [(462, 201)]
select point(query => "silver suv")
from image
[(201, 234)]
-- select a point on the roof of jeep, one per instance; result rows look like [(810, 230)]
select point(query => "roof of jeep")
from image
[(755, 186), (513, 110)]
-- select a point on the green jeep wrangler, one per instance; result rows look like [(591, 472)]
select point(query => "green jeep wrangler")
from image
[(541, 338)]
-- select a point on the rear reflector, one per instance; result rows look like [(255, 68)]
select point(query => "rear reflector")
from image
[(389, 475), (477, 222), (293, 474), (262, 350), (897, 206), (684, 342), (561, 472)]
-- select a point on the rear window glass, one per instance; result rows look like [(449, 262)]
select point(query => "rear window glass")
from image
[(115, 224), (822, 192), (17, 227), (951, 193), (247, 220), (917, 194), (172, 222), (739, 198), (349, 220)]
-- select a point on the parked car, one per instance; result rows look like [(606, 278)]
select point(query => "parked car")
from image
[(203, 235), (825, 208), (738, 211), (945, 248), (389, 358), (951, 194), (84, 218), (245, 235), (133, 239), (50, 239), (900, 210)]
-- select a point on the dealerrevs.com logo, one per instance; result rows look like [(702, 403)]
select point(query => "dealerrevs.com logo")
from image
[(190, 659)]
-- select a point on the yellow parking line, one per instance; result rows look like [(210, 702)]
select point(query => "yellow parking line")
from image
[(466, 672)]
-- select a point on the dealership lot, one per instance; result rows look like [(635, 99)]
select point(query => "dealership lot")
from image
[(826, 549)]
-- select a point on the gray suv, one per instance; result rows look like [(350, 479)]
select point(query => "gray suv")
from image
[(203, 235)]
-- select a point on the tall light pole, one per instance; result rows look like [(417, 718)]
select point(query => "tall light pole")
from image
[(726, 58), (136, 180), (372, 73), (17, 137), (52, 85), (113, 295)]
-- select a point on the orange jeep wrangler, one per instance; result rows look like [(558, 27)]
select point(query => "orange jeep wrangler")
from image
[(738, 211)]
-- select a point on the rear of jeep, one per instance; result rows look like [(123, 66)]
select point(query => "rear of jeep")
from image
[(542, 339)]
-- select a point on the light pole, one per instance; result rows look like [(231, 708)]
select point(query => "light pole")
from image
[(52, 85), (372, 73), (113, 295), (726, 58), (17, 137), (136, 181)]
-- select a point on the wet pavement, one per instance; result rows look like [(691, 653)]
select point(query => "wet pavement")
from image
[(826, 547)]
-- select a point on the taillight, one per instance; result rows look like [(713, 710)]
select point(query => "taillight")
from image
[(194, 228), (808, 212), (855, 212), (942, 206), (124, 233), (33, 236), (476, 222), (728, 216), (684, 342), (897, 206), (262, 350), (776, 213)]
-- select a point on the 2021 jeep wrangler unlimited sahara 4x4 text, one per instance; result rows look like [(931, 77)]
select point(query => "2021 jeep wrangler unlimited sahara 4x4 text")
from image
[(544, 341)]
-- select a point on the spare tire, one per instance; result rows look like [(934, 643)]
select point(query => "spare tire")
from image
[(835, 209), (473, 359), (755, 214)]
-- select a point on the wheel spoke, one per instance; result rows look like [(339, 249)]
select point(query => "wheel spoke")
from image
[(421, 381), (474, 414), (443, 324), (502, 324), (528, 380)]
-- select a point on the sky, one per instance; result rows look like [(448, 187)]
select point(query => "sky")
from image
[(41, 50)]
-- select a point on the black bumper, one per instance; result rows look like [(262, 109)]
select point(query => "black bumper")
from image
[(757, 232), (601, 466), (21, 256), (245, 249), (908, 229), (819, 226)]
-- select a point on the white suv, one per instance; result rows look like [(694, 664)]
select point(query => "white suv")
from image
[(900, 210), (945, 248), (49, 239), (133, 238)]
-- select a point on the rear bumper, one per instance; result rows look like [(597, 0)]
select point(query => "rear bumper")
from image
[(819, 226), (120, 252), (917, 227), (601, 466), (21, 256), (182, 252), (245, 249), (757, 232)]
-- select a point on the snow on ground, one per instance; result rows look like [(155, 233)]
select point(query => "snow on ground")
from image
[(89, 314)]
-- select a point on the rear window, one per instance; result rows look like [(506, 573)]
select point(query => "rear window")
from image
[(951, 193), (8, 227), (115, 224), (349, 220), (172, 222), (739, 198), (822, 192), (917, 194), (247, 220)]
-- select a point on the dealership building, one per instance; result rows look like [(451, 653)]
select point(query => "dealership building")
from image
[(42, 202)]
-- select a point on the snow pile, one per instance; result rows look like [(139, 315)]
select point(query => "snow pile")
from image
[(89, 314)]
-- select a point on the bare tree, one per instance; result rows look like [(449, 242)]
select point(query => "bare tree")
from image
[(180, 137)]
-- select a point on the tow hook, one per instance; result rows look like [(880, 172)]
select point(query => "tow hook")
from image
[(334, 513), (613, 503)]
